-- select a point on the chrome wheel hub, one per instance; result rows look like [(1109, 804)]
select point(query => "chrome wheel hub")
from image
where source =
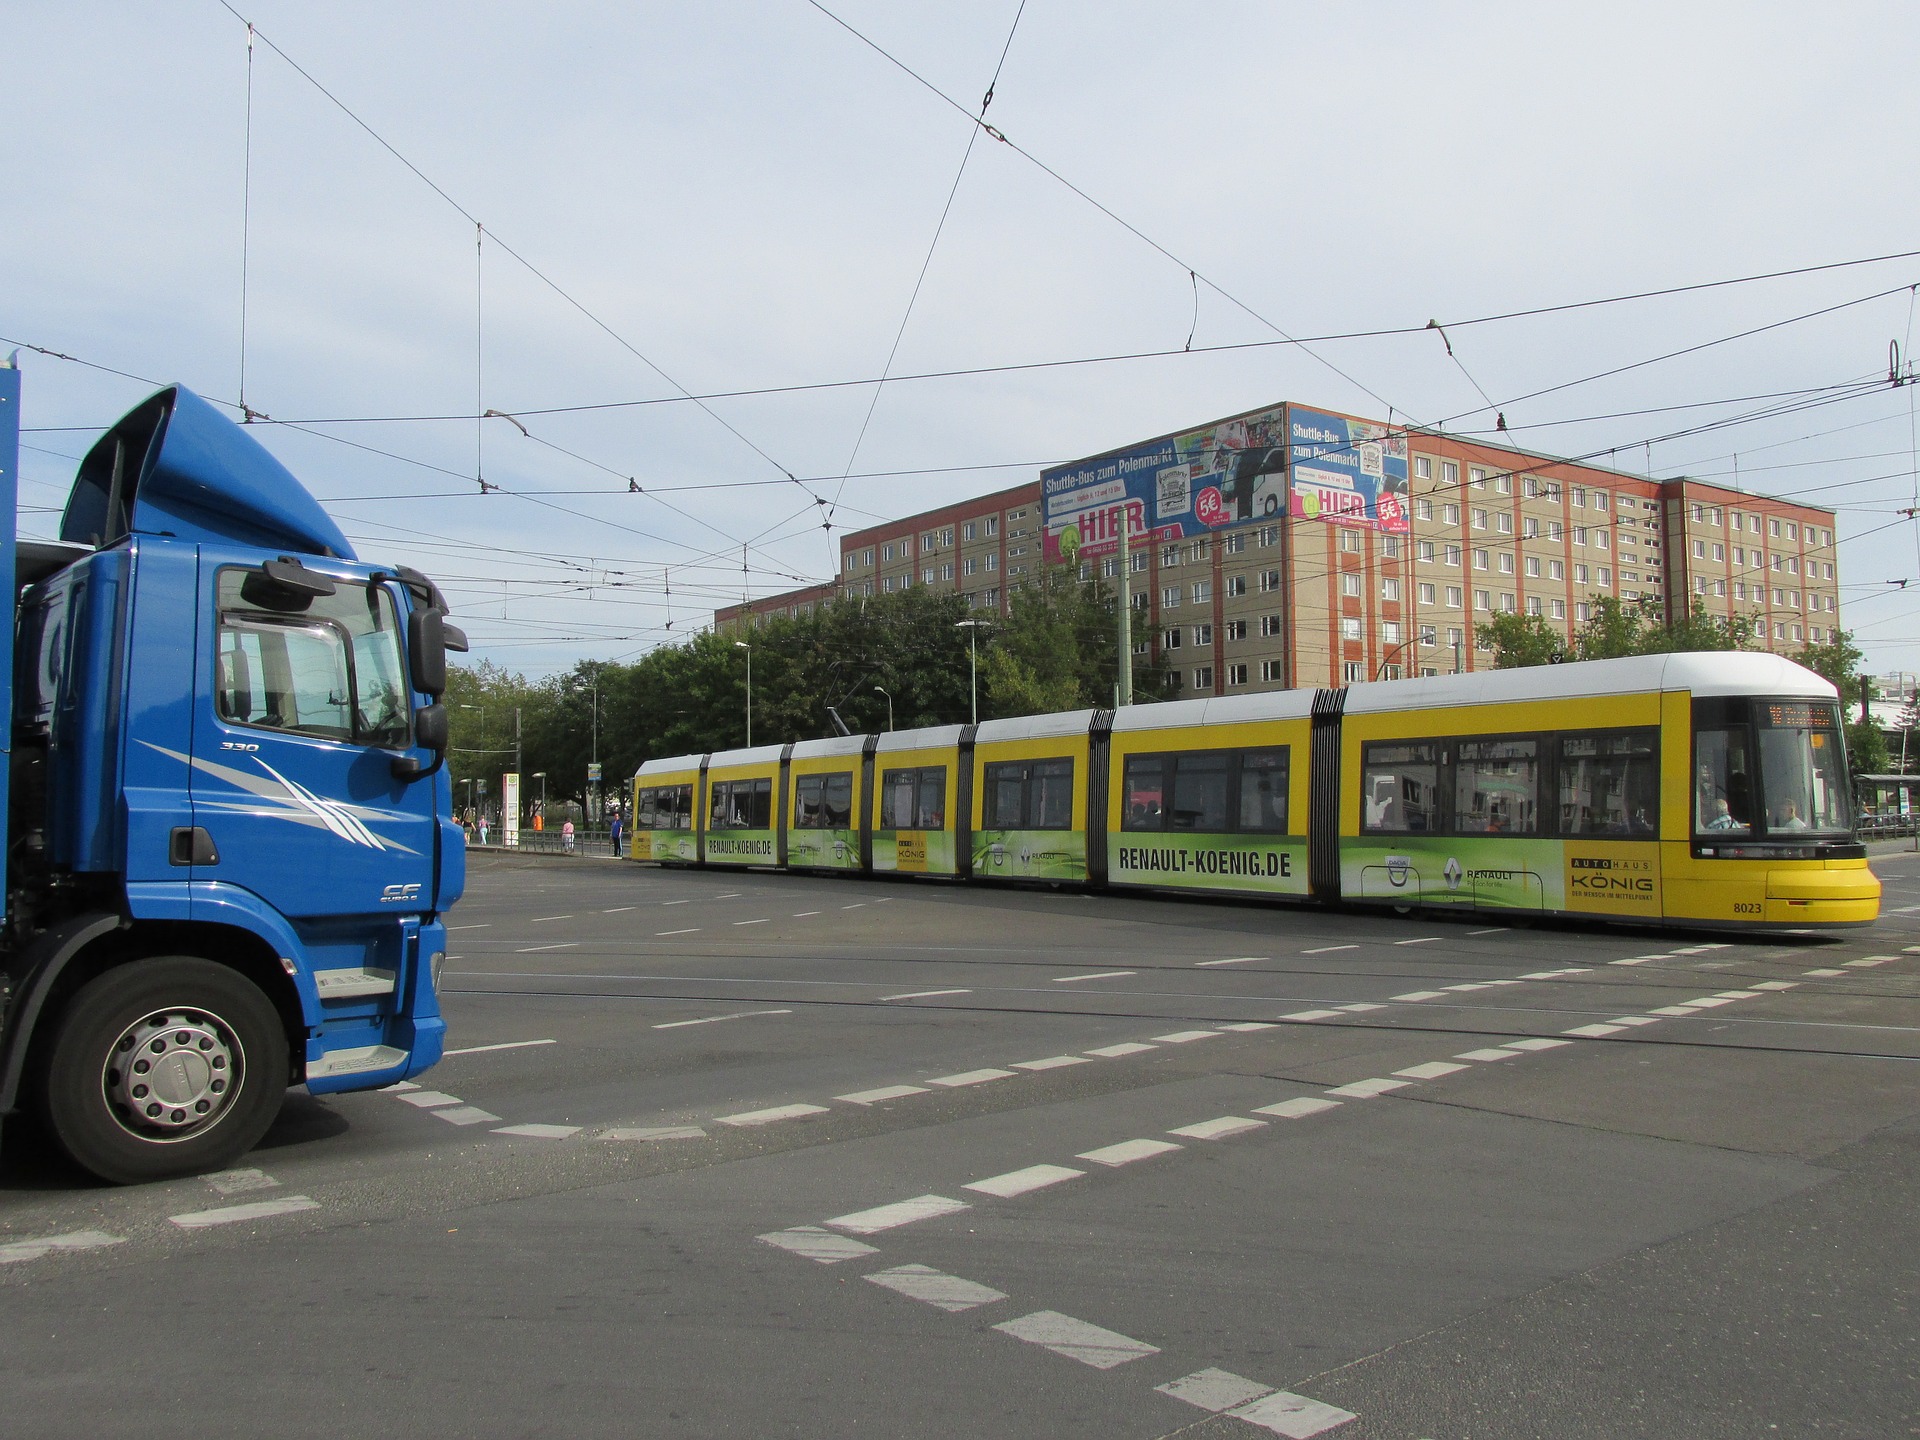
[(172, 1074)]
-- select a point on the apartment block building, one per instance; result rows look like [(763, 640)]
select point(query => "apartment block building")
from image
[(1293, 547)]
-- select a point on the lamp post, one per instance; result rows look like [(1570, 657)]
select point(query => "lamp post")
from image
[(743, 645), (882, 690), (541, 813), (972, 627)]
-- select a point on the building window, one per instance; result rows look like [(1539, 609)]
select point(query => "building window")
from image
[(1483, 600), (1503, 522), (1169, 597), (1390, 547), (946, 570), (1503, 484), (1534, 606), (1233, 585), (1454, 597), (1350, 673), (1110, 568), (1274, 672), (1450, 514), (1506, 602), (1479, 519), (1456, 636), (970, 530), (1450, 475), (1452, 554), (1423, 509), (1533, 566), (1236, 674), (1169, 556), (993, 560), (1506, 563), (1389, 588), (993, 525), (1580, 576), (1269, 626), (1423, 551), (926, 576), (1170, 638), (1426, 594), (1555, 530), (1269, 536), (1350, 584), (1137, 562), (1478, 477), (1197, 552), (1559, 609), (1389, 632), (1202, 592), (1233, 630), (1479, 559), (1427, 635), (1422, 467), (970, 565), (1350, 627), (1203, 634), (1203, 677), (1234, 542), (1349, 541), (1269, 581), (1556, 570)]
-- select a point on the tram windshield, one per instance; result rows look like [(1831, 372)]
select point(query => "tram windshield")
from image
[(1803, 768)]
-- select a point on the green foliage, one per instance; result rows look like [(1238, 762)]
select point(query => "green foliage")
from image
[(1867, 752), (1837, 660), (1055, 651), (1519, 640), (1615, 628)]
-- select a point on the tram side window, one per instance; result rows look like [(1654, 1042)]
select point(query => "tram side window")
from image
[(914, 799), (665, 807), (1723, 781), (742, 805), (823, 802), (1263, 792), (1610, 784), (1208, 792), (1029, 795), (1496, 787), (1399, 788)]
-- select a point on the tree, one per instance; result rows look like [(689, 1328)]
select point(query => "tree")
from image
[(1518, 640), (1837, 660), (1617, 627)]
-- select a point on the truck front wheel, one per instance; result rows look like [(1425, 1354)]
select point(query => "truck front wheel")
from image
[(170, 1066)]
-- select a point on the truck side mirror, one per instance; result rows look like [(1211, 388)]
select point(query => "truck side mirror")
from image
[(430, 732), (427, 652)]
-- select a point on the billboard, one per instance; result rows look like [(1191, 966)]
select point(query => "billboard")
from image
[(1348, 472), (1351, 472)]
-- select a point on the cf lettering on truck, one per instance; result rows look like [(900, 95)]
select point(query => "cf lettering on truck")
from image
[(230, 845)]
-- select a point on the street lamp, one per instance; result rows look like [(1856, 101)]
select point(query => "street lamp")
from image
[(882, 690), (972, 627), (743, 645)]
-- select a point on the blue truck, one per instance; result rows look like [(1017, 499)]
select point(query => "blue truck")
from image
[(230, 846)]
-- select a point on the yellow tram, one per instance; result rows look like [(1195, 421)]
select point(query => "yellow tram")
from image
[(1706, 789)]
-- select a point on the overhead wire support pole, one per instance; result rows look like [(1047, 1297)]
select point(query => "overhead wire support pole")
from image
[(1124, 691), (246, 229)]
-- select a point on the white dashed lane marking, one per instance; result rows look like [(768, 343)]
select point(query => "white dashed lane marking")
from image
[(748, 1118), (1113, 1052), (1076, 1339), (1367, 1089), (1182, 1037), (750, 922), (885, 1092), (970, 1077), (533, 949), (1237, 960), (931, 1287), (1128, 1151), (1312, 1015), (662, 934), (464, 1115), (1414, 997), (15, 1252), (1328, 949), (237, 1214), (900, 1212), (1218, 1129), (1418, 940), (1051, 1062), (504, 1045), (813, 1243), (427, 1099), (540, 1132), (1297, 1108), (1103, 975), (543, 919), (1021, 1182), (1432, 1070), (716, 1019)]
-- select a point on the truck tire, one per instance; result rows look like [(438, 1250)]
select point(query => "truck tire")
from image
[(169, 1066)]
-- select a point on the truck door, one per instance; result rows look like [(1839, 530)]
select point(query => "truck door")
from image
[(302, 706)]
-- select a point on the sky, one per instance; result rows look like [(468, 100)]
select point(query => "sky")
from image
[(377, 222)]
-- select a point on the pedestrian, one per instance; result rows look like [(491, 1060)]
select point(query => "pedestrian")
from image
[(483, 830), (615, 830), (566, 836)]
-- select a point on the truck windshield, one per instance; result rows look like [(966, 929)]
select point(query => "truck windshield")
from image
[(1803, 768)]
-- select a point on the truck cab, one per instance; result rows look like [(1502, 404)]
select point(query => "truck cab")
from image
[(230, 836)]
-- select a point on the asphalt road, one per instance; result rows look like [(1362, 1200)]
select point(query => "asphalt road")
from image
[(758, 1155)]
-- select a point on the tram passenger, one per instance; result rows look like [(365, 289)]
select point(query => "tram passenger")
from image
[(1723, 818), (1789, 818)]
